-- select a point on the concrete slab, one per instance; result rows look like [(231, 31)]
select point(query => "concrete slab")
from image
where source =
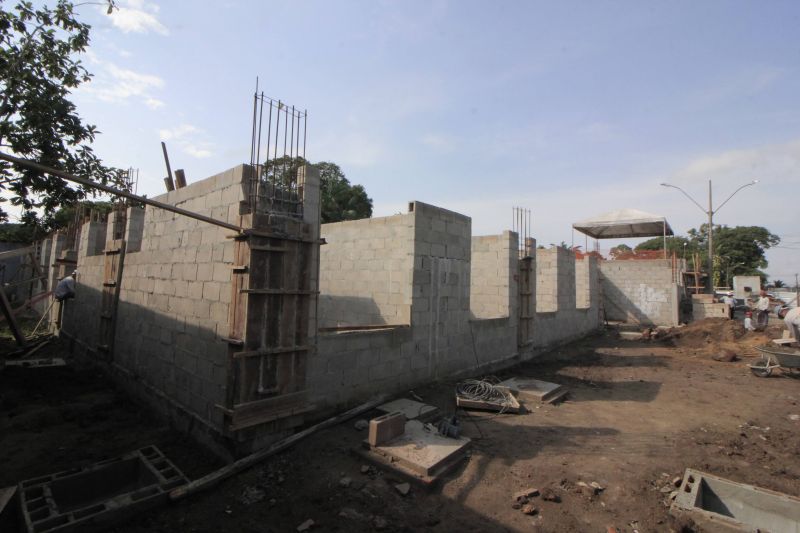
[(737, 505), (534, 390), (423, 451), (410, 408)]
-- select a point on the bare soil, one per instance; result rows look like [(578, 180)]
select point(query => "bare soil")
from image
[(638, 414)]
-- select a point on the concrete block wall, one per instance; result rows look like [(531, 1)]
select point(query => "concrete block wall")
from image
[(175, 294), (81, 315), (365, 272), (586, 282), (493, 288), (640, 291), (561, 320), (441, 299), (751, 282), (555, 280)]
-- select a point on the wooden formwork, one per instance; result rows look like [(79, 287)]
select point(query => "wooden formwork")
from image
[(269, 338), (527, 310)]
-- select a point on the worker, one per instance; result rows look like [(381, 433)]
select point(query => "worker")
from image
[(762, 311), (65, 290), (748, 321), (730, 303), (791, 317)]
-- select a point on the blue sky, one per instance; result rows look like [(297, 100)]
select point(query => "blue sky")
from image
[(569, 109)]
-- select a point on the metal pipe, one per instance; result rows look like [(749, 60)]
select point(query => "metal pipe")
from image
[(117, 192)]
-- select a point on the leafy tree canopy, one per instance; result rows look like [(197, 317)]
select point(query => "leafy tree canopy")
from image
[(39, 49), (340, 200), (739, 250)]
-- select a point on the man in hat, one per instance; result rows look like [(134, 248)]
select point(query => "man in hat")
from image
[(762, 311), (730, 303), (65, 289), (791, 317)]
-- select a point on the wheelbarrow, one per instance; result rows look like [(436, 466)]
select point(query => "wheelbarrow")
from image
[(786, 359)]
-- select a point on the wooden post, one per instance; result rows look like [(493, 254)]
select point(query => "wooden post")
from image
[(180, 178), (11, 319)]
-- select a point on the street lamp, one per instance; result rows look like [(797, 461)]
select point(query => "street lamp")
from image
[(710, 212)]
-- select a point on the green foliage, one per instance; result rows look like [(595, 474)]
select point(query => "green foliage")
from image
[(39, 64), (340, 199), (17, 233), (737, 251), (620, 249)]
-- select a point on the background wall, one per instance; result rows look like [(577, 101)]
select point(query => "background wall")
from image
[(365, 272), (640, 291)]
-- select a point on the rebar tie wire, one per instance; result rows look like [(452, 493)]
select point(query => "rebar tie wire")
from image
[(483, 390)]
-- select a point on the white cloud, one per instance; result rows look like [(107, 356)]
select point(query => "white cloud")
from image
[(137, 16), (116, 84), (154, 103), (197, 152), (189, 138), (177, 133)]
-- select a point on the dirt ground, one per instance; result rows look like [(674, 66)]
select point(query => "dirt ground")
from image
[(638, 414)]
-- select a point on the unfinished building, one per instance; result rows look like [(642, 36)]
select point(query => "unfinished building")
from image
[(243, 330)]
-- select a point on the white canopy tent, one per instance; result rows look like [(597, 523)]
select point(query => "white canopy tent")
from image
[(624, 224)]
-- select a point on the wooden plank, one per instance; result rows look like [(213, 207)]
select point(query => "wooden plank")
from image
[(16, 253), (363, 328), (215, 477), (262, 418), (279, 292), (271, 351), (11, 319), (257, 248)]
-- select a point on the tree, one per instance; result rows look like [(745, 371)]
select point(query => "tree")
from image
[(340, 199), (737, 250), (682, 246), (620, 249), (39, 50), (779, 284)]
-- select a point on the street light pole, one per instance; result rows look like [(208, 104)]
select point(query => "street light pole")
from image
[(710, 212), (710, 241)]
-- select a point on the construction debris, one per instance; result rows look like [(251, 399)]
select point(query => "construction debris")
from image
[(99, 495), (385, 428), (481, 394), (418, 453), (410, 408), (534, 390), (737, 505)]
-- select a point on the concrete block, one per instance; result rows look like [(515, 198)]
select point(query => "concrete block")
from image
[(100, 495), (385, 428)]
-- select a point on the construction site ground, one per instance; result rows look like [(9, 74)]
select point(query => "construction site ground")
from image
[(638, 414)]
